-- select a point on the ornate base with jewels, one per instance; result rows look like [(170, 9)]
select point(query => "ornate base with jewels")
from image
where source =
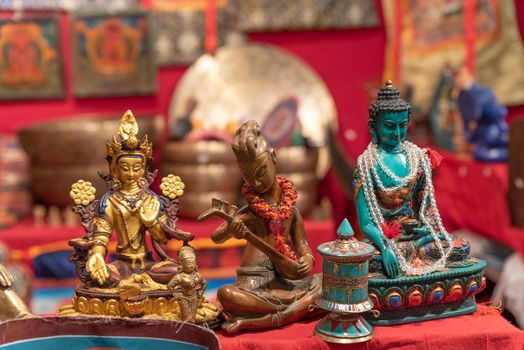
[(440, 294)]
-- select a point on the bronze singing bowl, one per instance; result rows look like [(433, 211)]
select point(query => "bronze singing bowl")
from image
[(249, 80), (296, 159), (201, 152), (51, 184), (205, 177), (78, 140), (193, 204), (303, 181), (306, 201)]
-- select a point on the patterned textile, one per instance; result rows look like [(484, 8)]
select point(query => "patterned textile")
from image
[(431, 38), (182, 30), (180, 34), (274, 15), (68, 4), (15, 200)]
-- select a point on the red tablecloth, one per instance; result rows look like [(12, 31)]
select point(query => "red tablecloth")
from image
[(481, 330), (473, 195), (27, 241)]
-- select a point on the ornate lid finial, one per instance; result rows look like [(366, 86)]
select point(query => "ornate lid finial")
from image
[(345, 231), (389, 84)]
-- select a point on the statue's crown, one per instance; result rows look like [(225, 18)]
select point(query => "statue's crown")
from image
[(128, 143), (388, 100), (186, 252)]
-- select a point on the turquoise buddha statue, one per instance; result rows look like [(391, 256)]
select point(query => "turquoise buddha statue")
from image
[(418, 263)]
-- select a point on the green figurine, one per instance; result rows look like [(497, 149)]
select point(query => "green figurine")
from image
[(398, 213)]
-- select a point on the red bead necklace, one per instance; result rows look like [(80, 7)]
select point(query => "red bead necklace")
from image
[(275, 215)]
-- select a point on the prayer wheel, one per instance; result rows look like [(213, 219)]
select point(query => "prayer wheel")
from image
[(345, 288)]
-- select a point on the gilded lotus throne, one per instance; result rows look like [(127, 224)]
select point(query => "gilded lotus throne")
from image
[(134, 284)]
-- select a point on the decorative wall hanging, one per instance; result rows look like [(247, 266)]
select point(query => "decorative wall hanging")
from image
[(184, 28), (68, 5), (275, 15), (30, 58), (484, 37), (112, 54)]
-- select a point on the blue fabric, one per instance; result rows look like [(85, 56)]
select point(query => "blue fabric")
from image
[(54, 265)]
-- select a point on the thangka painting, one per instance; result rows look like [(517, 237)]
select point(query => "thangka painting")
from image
[(113, 55), (30, 59), (277, 15), (180, 28), (431, 40), (69, 5)]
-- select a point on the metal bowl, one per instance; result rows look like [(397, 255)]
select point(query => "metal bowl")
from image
[(306, 180), (51, 185), (296, 159), (205, 177), (77, 141), (201, 152), (306, 202), (193, 204)]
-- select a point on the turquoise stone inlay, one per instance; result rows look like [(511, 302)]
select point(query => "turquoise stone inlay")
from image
[(345, 288)]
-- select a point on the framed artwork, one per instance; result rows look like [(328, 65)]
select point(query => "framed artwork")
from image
[(112, 54), (69, 5), (424, 45), (30, 58)]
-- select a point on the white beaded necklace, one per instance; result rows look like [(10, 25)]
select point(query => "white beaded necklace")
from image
[(416, 157)]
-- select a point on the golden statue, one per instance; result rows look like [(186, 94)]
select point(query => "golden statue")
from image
[(134, 284), (273, 286), (189, 285)]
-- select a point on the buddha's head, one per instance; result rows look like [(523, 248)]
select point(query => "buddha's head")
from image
[(388, 118), (130, 168), (256, 158), (129, 159), (187, 259)]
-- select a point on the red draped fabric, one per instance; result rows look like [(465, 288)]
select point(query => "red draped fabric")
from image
[(473, 195), (481, 330)]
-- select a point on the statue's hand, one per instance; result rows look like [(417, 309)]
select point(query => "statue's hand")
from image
[(390, 263), (237, 228), (96, 266), (305, 265), (149, 211)]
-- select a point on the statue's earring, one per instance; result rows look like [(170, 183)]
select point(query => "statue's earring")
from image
[(116, 185), (372, 131)]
